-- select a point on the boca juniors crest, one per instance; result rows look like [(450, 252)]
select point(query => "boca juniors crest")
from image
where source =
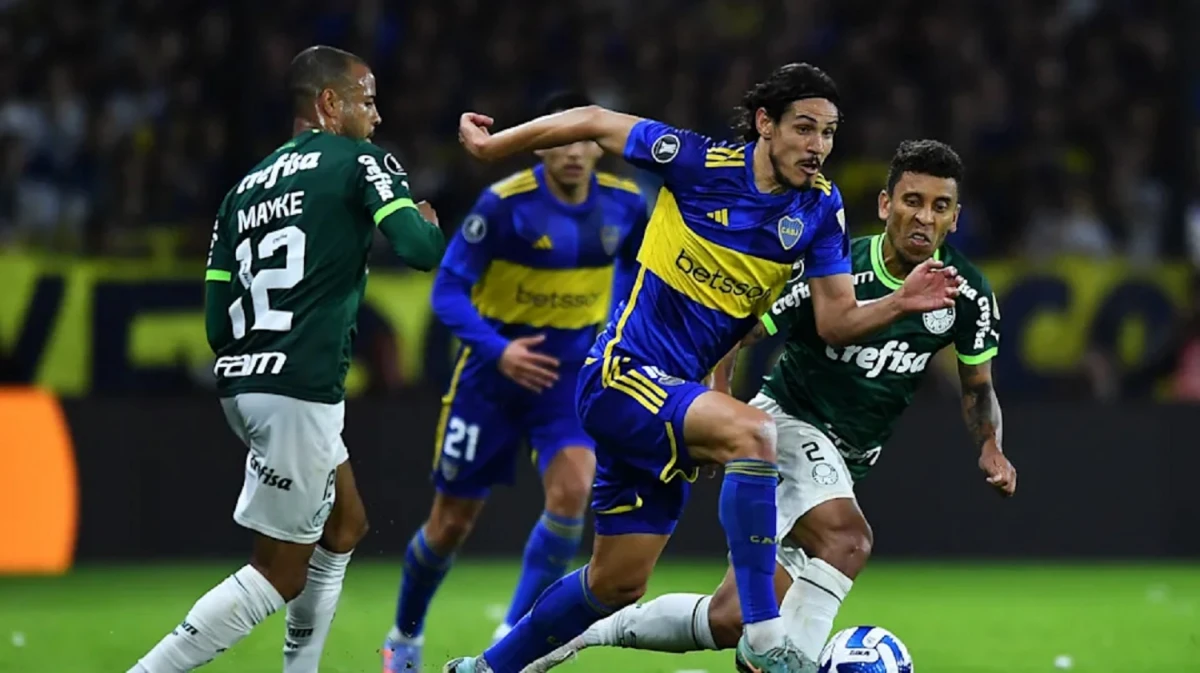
[(790, 231), (610, 238)]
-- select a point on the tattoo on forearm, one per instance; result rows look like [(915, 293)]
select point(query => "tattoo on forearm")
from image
[(981, 411)]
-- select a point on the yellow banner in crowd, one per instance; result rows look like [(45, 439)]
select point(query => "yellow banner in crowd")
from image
[(76, 326)]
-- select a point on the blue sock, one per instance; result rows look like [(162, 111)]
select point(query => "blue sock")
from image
[(747, 511), (423, 573), (551, 547), (562, 612)]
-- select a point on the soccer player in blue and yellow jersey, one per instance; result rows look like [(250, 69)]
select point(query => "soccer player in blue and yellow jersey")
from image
[(727, 228), (525, 286)]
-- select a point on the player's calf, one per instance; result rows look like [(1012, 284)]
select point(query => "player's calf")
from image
[(718, 428)]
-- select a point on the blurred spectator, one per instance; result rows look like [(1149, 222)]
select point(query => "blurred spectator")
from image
[(125, 122)]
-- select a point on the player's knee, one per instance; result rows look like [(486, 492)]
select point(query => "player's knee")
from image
[(345, 537), (450, 525), (725, 619), (753, 436), (615, 588), (847, 549), (568, 497), (288, 579)]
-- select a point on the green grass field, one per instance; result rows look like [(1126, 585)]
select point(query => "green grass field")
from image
[(954, 618)]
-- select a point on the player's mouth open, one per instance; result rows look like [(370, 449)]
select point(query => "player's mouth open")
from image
[(919, 240), (812, 166)]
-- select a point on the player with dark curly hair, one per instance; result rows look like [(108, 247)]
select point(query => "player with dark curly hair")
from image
[(835, 408), (728, 225)]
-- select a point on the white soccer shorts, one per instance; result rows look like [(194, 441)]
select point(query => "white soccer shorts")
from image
[(295, 447), (813, 472)]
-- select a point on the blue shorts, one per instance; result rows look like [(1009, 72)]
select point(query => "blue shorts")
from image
[(635, 413), (487, 420)]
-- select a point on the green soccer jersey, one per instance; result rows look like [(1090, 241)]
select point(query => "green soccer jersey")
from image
[(855, 394), (287, 265)]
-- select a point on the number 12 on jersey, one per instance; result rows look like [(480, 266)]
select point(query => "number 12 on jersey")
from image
[(292, 240)]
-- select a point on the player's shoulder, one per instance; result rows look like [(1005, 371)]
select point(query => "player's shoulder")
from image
[(968, 270), (861, 245), (520, 184), (620, 190)]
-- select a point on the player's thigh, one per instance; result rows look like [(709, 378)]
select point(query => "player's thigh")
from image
[(295, 447), (562, 451), (719, 428), (347, 523), (475, 446), (643, 471)]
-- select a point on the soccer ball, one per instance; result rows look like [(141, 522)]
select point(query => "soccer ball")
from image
[(865, 649)]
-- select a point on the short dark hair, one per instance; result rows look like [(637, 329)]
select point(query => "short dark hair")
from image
[(926, 157), (316, 69), (563, 100), (788, 83)]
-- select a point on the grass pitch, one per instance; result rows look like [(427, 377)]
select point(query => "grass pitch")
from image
[(954, 618)]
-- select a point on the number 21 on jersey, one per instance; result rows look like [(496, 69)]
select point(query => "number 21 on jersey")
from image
[(292, 240)]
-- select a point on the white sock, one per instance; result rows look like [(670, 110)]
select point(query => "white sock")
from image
[(812, 603), (671, 623), (310, 614), (217, 621), (762, 636)]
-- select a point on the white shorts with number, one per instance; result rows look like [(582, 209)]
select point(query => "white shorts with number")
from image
[(812, 471), (295, 449)]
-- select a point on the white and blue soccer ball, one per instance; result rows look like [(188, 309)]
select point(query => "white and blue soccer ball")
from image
[(865, 649)]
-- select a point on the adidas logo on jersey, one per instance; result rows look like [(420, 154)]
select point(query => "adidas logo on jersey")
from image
[(719, 216), (893, 357), (543, 243)]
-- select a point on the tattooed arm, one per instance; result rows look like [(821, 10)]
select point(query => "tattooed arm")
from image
[(981, 411)]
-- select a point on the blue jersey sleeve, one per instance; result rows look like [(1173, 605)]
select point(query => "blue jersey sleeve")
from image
[(829, 252), (625, 266), (466, 259), (673, 154)]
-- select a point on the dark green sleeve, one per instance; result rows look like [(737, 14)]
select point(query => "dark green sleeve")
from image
[(218, 281), (417, 241), (785, 309)]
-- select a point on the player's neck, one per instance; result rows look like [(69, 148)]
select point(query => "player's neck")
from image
[(570, 195), (764, 171), (893, 262), (300, 125)]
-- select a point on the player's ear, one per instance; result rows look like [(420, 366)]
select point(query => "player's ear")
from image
[(763, 123), (885, 205), (954, 222)]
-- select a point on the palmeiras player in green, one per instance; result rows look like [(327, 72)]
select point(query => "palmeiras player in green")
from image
[(286, 274), (834, 408)]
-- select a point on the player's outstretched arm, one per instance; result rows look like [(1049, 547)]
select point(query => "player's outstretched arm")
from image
[(722, 375), (981, 411), (841, 320), (608, 128)]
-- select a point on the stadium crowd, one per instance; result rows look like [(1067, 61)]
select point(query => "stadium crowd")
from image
[(125, 121)]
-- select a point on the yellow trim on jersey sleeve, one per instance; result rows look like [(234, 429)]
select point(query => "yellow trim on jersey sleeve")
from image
[(218, 275), (616, 182), (725, 157), (726, 280), (447, 401), (561, 298), (518, 183), (978, 358)]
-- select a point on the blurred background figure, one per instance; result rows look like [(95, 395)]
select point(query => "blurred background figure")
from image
[(124, 122)]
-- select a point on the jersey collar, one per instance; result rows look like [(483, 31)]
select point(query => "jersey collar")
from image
[(880, 269)]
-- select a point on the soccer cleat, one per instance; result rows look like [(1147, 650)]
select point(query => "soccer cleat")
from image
[(782, 659), (467, 665), (400, 656), (559, 656)]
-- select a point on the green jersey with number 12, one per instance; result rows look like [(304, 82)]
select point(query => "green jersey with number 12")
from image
[(292, 239), (856, 393)]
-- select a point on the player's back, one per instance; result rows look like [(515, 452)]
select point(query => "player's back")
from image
[(716, 251), (299, 238)]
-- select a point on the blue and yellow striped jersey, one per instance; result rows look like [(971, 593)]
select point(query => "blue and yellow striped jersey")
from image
[(523, 262), (716, 252)]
